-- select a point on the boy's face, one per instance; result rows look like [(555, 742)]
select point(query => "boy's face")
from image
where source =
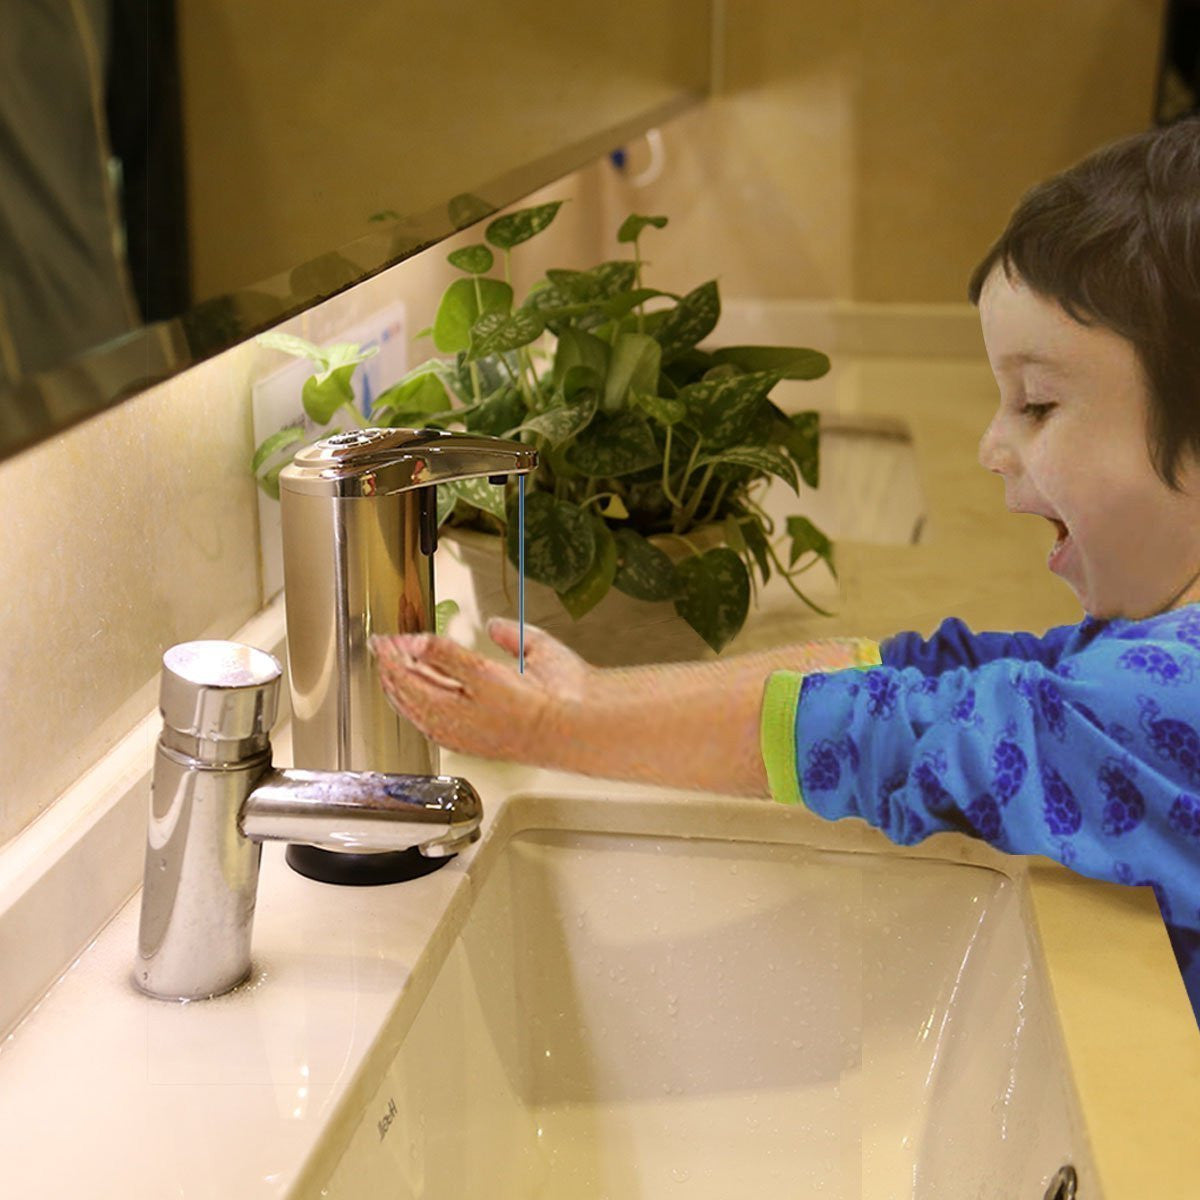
[(1070, 440)]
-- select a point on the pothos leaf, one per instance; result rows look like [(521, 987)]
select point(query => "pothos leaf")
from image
[(807, 537), (714, 595), (560, 543), (690, 321), (488, 497), (800, 434), (514, 228), (789, 362), (593, 585), (721, 410), (643, 570), (632, 226), (614, 445), (443, 611), (761, 459), (477, 259), (559, 424), (462, 304), (498, 333)]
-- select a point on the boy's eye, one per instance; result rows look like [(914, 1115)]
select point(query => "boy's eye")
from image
[(1036, 412)]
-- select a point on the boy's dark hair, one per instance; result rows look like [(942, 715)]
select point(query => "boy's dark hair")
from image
[(1115, 240)]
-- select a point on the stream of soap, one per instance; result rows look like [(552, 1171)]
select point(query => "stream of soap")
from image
[(521, 574)]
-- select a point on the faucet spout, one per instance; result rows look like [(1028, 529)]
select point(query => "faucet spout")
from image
[(215, 798), (363, 810)]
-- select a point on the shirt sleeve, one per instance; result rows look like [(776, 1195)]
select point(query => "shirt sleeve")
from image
[(1096, 764), (954, 645)]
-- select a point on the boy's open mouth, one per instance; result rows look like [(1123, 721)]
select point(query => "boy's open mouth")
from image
[(1061, 542)]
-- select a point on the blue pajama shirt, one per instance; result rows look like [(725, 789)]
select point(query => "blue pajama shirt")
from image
[(1081, 745)]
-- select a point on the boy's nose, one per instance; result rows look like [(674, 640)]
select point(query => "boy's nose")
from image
[(994, 455)]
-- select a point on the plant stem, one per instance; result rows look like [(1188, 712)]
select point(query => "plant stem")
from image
[(787, 575), (712, 508), (666, 486), (637, 283), (694, 503)]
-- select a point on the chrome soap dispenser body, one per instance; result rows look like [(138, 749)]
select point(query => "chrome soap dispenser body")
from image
[(359, 513)]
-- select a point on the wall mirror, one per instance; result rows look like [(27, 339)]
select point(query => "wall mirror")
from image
[(177, 175)]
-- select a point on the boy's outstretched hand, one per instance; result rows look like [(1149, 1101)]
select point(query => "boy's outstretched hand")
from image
[(476, 705)]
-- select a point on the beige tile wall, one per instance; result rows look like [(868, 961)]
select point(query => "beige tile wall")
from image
[(870, 150)]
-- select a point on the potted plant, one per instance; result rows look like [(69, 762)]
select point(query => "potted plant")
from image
[(645, 437)]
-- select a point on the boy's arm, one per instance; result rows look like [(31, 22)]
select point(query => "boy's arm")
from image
[(686, 725)]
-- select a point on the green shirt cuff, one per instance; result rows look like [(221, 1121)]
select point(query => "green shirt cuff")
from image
[(781, 698), (777, 730)]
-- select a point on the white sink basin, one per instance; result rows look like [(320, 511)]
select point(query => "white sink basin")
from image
[(628, 1016)]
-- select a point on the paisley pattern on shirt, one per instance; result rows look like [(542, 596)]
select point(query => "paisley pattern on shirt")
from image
[(1083, 745)]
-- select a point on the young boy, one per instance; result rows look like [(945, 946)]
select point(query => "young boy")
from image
[(1083, 744)]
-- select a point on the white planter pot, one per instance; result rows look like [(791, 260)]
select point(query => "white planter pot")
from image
[(619, 631)]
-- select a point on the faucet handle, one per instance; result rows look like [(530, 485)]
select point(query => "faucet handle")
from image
[(216, 693)]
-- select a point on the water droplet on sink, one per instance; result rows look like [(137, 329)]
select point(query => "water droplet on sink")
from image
[(680, 1174)]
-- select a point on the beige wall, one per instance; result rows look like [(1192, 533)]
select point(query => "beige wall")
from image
[(870, 150)]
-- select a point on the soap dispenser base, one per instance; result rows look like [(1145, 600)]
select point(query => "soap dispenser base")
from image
[(361, 870)]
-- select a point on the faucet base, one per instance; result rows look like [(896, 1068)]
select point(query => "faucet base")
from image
[(361, 870)]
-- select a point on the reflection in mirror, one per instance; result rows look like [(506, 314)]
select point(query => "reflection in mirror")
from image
[(176, 175)]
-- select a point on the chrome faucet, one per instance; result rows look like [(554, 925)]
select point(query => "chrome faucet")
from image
[(359, 514), (215, 798)]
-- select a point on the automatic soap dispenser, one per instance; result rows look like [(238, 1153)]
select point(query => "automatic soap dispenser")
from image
[(359, 514)]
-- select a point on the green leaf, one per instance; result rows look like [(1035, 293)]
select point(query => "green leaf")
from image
[(514, 228), (665, 410), (488, 497), (615, 276), (756, 539), (278, 441), (614, 508), (807, 537), (788, 362), (443, 611), (498, 333), (593, 586), (761, 459), (733, 534), (560, 541), (632, 226), (323, 395), (421, 393), (477, 259), (500, 412), (643, 570), (576, 287), (800, 435), (559, 424), (614, 445), (714, 595), (290, 344), (633, 367), (690, 321), (460, 308), (447, 498), (623, 303), (722, 410), (577, 348), (269, 480)]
